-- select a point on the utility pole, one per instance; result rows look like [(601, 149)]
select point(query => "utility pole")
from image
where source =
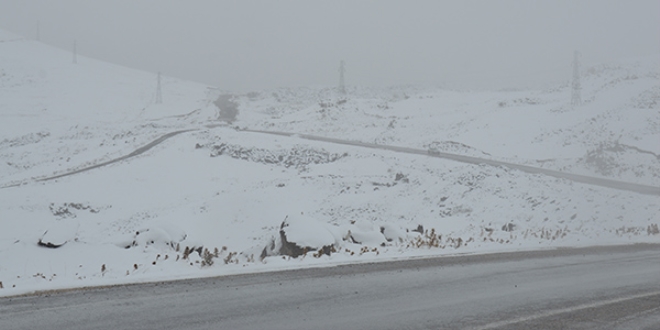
[(75, 53), (159, 96), (576, 99), (342, 69)]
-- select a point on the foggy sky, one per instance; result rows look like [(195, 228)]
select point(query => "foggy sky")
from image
[(250, 45)]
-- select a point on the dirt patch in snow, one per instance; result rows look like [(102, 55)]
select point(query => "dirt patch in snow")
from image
[(69, 210)]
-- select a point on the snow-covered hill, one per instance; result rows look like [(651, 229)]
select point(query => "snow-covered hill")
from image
[(218, 199)]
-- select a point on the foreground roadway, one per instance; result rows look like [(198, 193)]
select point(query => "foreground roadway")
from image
[(587, 288)]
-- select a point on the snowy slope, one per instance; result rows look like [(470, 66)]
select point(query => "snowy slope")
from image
[(46, 101), (235, 197), (613, 134)]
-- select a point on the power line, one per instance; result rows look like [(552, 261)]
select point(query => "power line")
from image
[(159, 96), (576, 98), (75, 52), (342, 69)]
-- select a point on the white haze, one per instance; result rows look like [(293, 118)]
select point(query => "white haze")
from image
[(249, 45)]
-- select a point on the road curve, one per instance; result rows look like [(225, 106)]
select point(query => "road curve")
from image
[(638, 188), (136, 152), (615, 184), (616, 287)]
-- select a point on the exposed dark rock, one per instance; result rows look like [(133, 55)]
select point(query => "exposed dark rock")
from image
[(294, 250), (401, 177), (49, 245)]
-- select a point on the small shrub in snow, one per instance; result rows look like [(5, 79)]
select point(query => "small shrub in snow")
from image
[(628, 230), (545, 233), (653, 229), (366, 249), (164, 237), (429, 239), (229, 257), (207, 257), (65, 210), (189, 250), (325, 251), (432, 239)]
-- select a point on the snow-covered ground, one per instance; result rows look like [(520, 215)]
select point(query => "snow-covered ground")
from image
[(239, 200)]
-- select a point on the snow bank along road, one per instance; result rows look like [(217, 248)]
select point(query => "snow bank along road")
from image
[(615, 287)]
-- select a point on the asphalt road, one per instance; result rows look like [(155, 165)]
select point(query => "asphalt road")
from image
[(588, 288), (615, 184), (638, 188), (136, 152)]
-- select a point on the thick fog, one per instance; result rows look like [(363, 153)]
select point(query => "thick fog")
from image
[(250, 45)]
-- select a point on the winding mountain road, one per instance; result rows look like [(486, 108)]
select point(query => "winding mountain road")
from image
[(614, 184), (616, 287), (137, 151)]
